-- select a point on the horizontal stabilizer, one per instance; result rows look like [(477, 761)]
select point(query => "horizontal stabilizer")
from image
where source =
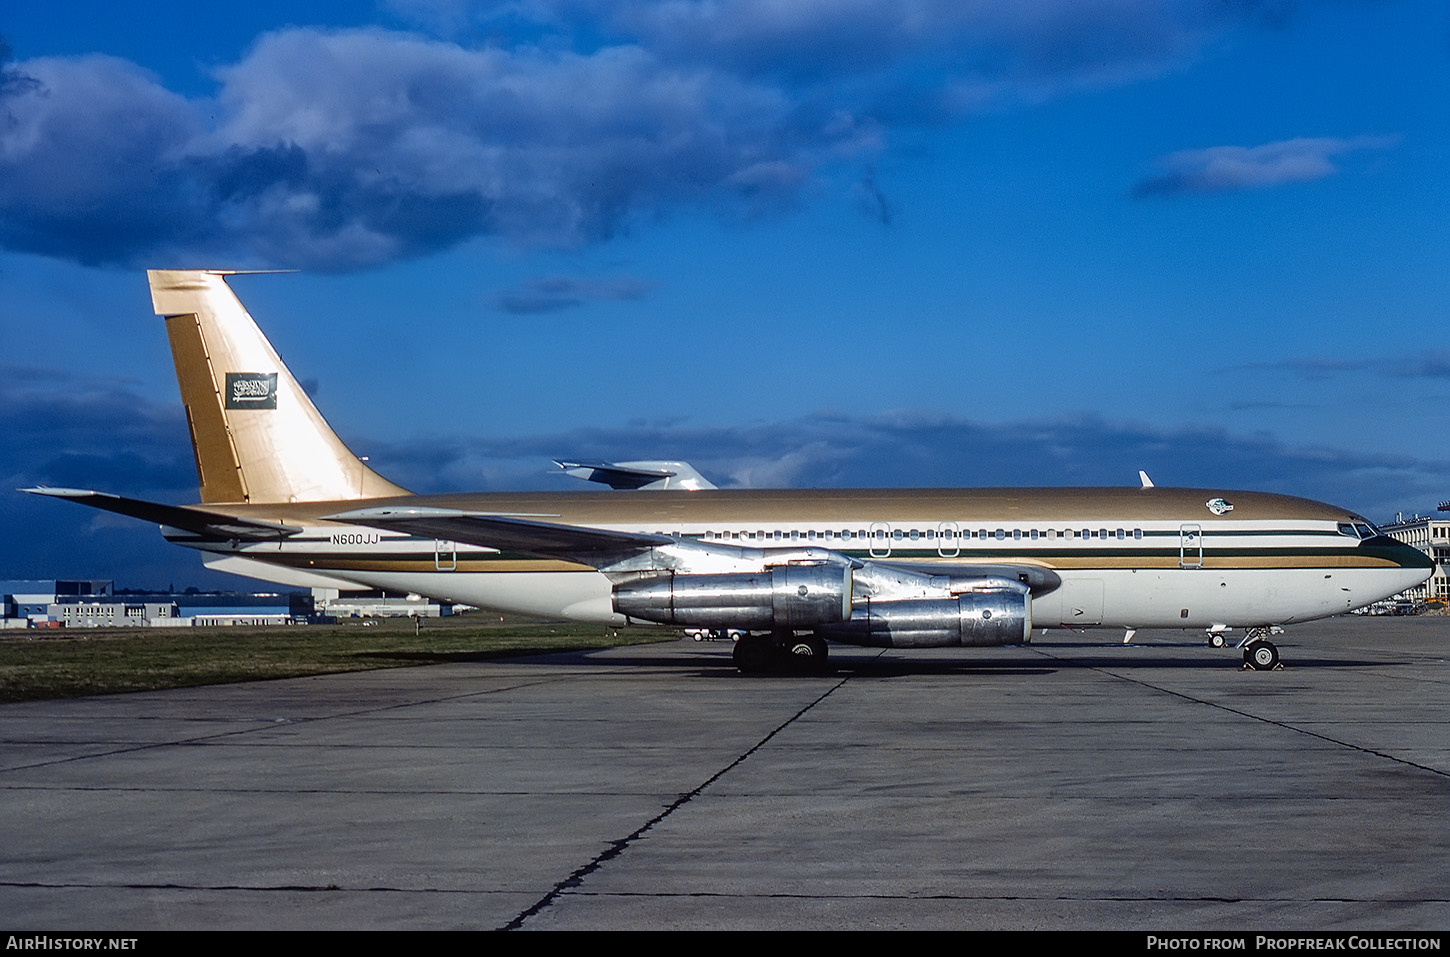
[(184, 517), (649, 475), (505, 532)]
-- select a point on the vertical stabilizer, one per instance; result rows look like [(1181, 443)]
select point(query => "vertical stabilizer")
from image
[(257, 436)]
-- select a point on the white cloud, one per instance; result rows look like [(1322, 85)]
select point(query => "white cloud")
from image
[(1221, 169)]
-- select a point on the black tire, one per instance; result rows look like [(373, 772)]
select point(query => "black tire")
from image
[(1216, 641), (807, 654), (1262, 656), (754, 654)]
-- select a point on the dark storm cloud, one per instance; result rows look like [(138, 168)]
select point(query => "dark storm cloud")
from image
[(86, 161), (1433, 364), (60, 429), (976, 40), (67, 430), (343, 150), (70, 430), (12, 80), (93, 432), (551, 123), (555, 293), (1222, 169), (1430, 365), (872, 200), (905, 450)]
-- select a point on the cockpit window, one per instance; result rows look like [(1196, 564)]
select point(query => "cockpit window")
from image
[(1360, 530)]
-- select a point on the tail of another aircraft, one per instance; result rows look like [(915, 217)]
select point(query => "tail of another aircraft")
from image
[(257, 436)]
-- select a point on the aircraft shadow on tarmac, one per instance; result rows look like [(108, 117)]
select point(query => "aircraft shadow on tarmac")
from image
[(864, 663), (999, 668), (1185, 657)]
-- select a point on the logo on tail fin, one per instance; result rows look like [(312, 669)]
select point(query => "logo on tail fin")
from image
[(251, 390)]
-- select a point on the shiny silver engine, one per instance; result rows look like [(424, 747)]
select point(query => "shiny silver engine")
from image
[(786, 597), (977, 618)]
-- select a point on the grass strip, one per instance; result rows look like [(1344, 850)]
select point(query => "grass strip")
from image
[(68, 663)]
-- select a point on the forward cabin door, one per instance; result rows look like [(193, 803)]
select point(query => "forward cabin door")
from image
[(1190, 546)]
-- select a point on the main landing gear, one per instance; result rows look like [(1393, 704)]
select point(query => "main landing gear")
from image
[(757, 654)]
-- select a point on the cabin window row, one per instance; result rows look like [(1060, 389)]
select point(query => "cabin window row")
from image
[(929, 535)]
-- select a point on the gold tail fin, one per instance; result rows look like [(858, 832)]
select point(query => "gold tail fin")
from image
[(257, 436)]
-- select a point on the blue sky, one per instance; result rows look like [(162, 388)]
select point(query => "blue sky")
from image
[(860, 242)]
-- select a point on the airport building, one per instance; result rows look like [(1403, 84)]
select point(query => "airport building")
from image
[(26, 597), (112, 614), (1431, 536), (94, 603)]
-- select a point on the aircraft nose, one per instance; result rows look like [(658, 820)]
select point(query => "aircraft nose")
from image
[(1405, 556)]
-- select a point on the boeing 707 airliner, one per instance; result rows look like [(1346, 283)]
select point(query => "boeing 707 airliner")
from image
[(283, 499)]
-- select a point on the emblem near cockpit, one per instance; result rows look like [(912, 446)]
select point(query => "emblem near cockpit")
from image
[(1218, 506)]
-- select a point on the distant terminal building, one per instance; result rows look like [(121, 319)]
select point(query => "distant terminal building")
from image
[(112, 614), (25, 598), (1431, 536), (94, 603)]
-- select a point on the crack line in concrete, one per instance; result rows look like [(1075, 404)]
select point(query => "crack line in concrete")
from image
[(618, 847), (1252, 717), (268, 725)]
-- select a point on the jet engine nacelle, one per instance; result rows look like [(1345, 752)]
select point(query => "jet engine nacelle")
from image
[(784, 597), (978, 618)]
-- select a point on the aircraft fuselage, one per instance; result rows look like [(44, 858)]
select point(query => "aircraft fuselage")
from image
[(1126, 557)]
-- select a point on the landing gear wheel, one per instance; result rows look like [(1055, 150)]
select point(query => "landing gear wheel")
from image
[(1216, 641), (754, 654), (1261, 656), (807, 654)]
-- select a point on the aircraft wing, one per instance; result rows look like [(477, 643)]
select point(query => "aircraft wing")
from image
[(510, 533), (185, 517)]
